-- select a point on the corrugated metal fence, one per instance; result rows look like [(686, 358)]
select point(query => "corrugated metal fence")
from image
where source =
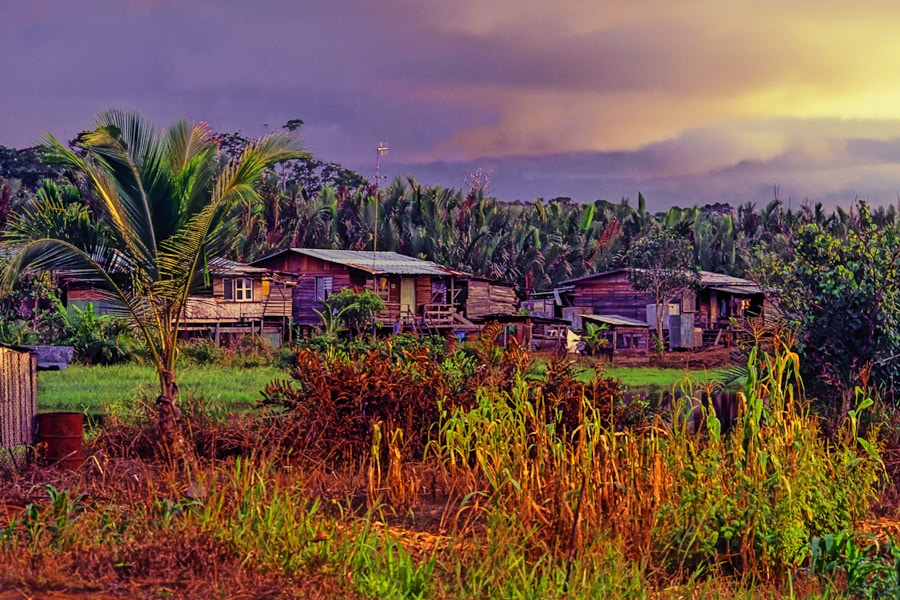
[(18, 397)]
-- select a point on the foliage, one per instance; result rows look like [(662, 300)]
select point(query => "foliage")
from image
[(97, 339), (27, 166), (842, 293), (157, 204), (342, 395), (18, 332), (542, 486), (857, 563), (753, 499), (355, 309), (661, 263), (593, 339)]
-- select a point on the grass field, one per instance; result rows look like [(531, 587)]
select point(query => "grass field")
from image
[(652, 377), (230, 389), (92, 389)]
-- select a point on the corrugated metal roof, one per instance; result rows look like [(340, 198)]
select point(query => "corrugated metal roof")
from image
[(379, 263), (225, 267), (707, 279), (738, 290), (615, 320)]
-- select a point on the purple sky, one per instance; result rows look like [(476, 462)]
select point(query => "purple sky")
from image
[(688, 102)]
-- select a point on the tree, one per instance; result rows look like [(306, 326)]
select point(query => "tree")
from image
[(841, 291), (156, 205), (354, 308), (661, 264)]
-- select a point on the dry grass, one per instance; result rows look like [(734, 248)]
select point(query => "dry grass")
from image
[(524, 488)]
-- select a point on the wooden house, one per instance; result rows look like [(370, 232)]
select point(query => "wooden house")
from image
[(708, 315), (240, 300), (419, 295)]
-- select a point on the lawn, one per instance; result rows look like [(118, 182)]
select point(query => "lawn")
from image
[(230, 389), (92, 389)]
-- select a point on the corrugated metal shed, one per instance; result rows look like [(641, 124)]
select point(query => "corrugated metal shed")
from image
[(379, 263)]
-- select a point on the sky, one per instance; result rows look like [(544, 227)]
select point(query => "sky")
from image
[(688, 102)]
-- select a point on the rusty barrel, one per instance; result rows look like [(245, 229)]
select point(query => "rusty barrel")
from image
[(62, 432)]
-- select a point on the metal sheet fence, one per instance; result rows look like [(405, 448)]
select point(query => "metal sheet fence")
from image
[(18, 398)]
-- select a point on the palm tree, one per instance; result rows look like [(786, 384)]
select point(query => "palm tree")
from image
[(156, 203)]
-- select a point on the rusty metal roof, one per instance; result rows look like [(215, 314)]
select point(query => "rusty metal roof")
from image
[(707, 279), (738, 290)]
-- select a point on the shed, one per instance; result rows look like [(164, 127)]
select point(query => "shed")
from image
[(18, 396), (625, 337), (535, 333), (485, 297)]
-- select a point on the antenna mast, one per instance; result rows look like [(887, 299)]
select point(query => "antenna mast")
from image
[(381, 149)]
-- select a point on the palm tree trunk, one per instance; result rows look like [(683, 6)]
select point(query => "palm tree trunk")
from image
[(170, 437)]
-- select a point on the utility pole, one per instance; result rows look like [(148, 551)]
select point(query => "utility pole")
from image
[(381, 149)]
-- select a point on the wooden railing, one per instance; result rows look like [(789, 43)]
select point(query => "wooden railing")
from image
[(438, 315), (395, 312), (208, 309)]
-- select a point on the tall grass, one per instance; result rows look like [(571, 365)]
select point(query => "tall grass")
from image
[(747, 502), (516, 495)]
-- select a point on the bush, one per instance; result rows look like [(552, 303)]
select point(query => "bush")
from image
[(201, 352)]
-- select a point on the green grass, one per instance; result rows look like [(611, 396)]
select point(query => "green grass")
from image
[(652, 377), (91, 389)]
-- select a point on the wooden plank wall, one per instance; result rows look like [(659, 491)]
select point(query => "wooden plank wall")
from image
[(612, 296), (504, 300), (486, 299), (304, 296), (18, 398), (423, 292)]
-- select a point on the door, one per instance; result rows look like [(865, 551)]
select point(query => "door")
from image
[(407, 295)]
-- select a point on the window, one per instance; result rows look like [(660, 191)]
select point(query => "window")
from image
[(239, 290), (324, 287)]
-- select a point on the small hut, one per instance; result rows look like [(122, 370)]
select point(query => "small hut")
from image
[(628, 340)]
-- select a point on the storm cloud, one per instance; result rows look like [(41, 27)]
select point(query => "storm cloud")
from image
[(687, 102)]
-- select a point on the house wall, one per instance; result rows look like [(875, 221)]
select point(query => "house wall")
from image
[(485, 298), (423, 292), (612, 295), (274, 302), (303, 301)]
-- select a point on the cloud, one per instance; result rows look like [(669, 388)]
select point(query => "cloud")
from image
[(690, 99), (831, 161)]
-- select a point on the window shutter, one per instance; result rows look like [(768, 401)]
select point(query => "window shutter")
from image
[(229, 288)]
